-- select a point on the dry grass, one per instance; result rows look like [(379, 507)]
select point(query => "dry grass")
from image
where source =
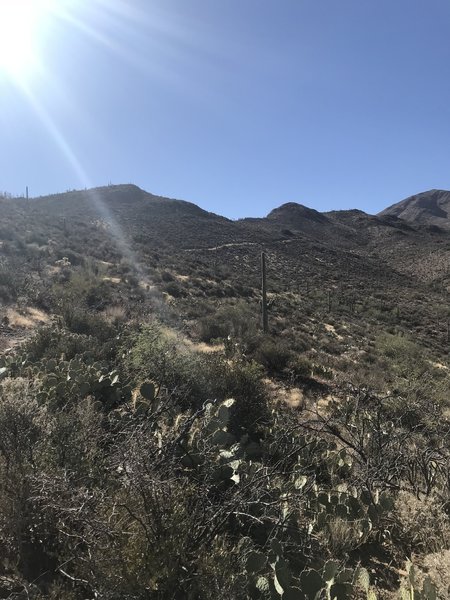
[(187, 344), (331, 329), (206, 348), (343, 536), (37, 315), (439, 365), (323, 404), (146, 285), (293, 397), (27, 318), (114, 314)]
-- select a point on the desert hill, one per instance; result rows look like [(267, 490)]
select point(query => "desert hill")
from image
[(379, 267), (431, 208), (386, 263), (155, 443)]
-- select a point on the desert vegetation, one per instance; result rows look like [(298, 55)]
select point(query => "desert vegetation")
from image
[(154, 443), (134, 466)]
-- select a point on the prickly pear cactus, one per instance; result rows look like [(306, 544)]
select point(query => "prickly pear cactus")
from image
[(413, 591)]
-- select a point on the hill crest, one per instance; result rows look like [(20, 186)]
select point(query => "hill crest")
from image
[(430, 208)]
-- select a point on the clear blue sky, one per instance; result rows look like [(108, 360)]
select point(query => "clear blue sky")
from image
[(236, 105)]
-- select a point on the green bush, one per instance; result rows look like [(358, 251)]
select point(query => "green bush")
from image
[(55, 342), (300, 368), (237, 321), (193, 377)]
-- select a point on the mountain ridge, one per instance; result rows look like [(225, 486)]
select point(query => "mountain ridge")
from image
[(428, 208)]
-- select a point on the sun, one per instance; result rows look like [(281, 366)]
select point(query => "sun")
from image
[(20, 27)]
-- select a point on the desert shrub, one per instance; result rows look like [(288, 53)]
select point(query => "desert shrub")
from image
[(77, 441), (9, 282), (240, 380), (56, 342), (341, 536), (243, 290), (436, 566), (300, 368), (5, 294), (331, 346), (405, 357), (273, 355), (133, 499), (422, 525), (115, 315), (210, 329), (35, 237), (7, 233), (21, 424), (83, 322), (82, 289), (300, 343), (24, 428), (192, 377), (98, 296), (75, 258), (174, 289), (146, 535), (123, 267), (36, 447), (237, 321), (132, 280), (167, 277), (157, 355)]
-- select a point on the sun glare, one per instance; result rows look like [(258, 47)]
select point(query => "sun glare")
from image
[(20, 24)]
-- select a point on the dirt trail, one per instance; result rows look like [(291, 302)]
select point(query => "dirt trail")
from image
[(230, 245), (241, 244)]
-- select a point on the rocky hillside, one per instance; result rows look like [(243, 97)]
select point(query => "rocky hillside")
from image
[(431, 208), (154, 443), (358, 273)]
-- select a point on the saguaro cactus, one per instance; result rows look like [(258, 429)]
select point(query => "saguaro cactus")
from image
[(265, 316)]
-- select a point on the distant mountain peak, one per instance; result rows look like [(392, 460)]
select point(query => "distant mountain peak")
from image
[(430, 208), (292, 212)]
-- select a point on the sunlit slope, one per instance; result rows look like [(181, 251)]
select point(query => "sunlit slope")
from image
[(431, 208)]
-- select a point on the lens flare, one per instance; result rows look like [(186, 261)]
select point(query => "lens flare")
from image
[(26, 30), (20, 23)]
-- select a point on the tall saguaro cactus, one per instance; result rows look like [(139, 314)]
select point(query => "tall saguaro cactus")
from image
[(265, 316)]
